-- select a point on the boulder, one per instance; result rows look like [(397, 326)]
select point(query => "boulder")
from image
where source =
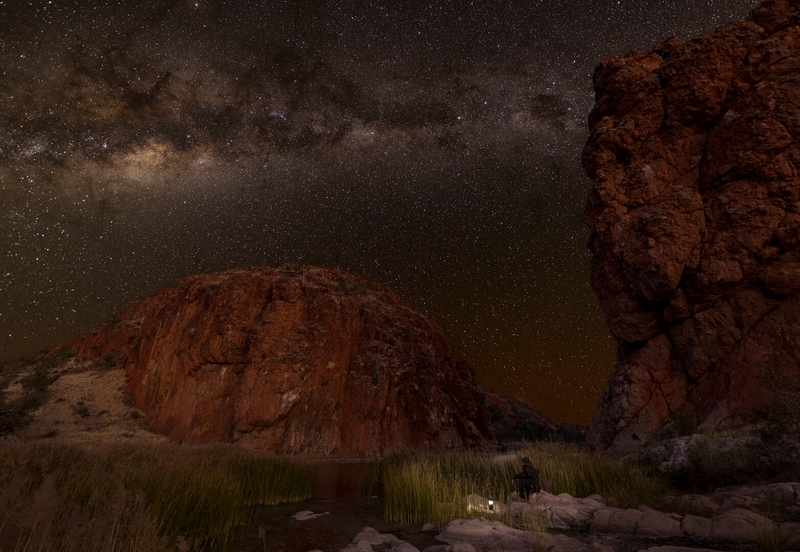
[(675, 549), (697, 527), (616, 520), (695, 226), (739, 525), (658, 525), (372, 537), (311, 361), (482, 534), (370, 540), (565, 512)]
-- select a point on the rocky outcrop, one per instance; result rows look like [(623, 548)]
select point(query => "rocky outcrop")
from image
[(694, 213), (780, 500), (735, 524), (597, 525), (312, 361), (468, 535), (474, 535)]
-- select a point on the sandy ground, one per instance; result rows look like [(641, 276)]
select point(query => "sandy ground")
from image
[(86, 405)]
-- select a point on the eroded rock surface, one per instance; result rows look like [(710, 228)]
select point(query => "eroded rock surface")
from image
[(782, 499), (313, 361), (735, 524), (478, 535), (694, 214)]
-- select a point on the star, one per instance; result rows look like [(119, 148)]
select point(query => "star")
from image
[(433, 146)]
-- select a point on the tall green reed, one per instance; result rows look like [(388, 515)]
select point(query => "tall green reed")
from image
[(435, 487), (566, 469)]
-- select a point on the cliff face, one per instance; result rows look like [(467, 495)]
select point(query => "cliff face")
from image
[(694, 214), (313, 362)]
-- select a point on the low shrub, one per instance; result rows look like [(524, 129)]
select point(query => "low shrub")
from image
[(773, 539), (713, 465), (34, 375)]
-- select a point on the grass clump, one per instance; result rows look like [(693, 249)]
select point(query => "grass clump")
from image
[(716, 461), (436, 488), (772, 538), (565, 468), (146, 499), (428, 487)]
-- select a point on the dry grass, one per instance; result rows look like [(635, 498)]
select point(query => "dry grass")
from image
[(773, 539), (62, 497)]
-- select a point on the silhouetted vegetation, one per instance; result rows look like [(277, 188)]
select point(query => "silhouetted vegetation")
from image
[(33, 375), (525, 428), (350, 287), (714, 464)]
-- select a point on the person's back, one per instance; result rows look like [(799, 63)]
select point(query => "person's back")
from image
[(527, 481), (533, 475)]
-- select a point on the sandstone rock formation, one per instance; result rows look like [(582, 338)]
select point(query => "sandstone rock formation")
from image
[(737, 523), (312, 361), (478, 534), (694, 214)]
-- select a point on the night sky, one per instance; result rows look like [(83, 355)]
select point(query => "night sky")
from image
[(433, 146)]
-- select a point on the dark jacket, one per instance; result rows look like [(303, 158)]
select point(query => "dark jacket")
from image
[(529, 473)]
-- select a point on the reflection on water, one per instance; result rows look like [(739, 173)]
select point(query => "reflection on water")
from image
[(272, 529), (345, 479), (345, 492)]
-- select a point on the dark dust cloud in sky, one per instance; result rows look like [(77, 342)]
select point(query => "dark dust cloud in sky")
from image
[(434, 146)]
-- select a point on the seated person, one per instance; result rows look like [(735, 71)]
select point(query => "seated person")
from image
[(527, 481)]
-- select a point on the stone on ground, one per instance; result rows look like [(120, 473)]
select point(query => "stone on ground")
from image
[(483, 534)]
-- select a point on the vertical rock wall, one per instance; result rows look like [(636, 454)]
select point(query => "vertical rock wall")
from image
[(694, 214)]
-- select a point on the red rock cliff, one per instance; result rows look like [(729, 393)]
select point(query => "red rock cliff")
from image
[(694, 214), (313, 362)]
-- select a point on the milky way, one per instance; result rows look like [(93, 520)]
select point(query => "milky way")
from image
[(431, 146)]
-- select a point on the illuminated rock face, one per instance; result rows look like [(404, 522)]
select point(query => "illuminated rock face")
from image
[(312, 362), (694, 211)]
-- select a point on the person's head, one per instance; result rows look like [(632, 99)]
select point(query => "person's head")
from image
[(526, 461)]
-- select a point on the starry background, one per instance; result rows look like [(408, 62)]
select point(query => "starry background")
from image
[(433, 146)]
